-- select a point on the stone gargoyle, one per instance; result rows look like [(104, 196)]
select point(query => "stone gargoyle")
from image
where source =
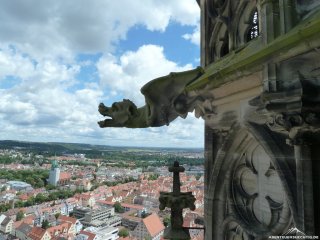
[(165, 98)]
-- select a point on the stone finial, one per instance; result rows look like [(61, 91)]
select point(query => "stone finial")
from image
[(177, 201)]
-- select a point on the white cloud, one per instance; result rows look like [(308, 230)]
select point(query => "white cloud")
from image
[(60, 28), (39, 42), (193, 37), (40, 107), (12, 63), (135, 69), (127, 74), (41, 102)]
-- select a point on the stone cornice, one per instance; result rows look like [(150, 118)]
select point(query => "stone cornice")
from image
[(304, 37)]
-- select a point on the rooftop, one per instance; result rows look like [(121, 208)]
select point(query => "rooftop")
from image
[(153, 224)]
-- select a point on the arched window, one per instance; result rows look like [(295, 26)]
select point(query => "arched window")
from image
[(253, 30), (225, 47)]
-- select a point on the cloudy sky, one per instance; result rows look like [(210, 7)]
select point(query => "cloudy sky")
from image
[(59, 59)]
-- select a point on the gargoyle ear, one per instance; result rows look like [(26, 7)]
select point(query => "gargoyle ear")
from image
[(132, 110)]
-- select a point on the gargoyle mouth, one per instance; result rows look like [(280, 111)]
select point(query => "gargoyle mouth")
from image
[(106, 122)]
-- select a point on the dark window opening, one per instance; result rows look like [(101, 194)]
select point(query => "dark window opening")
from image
[(224, 48), (253, 31)]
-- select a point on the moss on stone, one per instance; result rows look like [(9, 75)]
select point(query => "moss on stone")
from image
[(256, 52)]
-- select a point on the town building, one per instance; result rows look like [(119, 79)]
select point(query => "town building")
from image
[(103, 216), (76, 224), (86, 199), (22, 231), (19, 185), (5, 224), (126, 206), (64, 178), (150, 227), (130, 220), (38, 233), (86, 235), (63, 230), (56, 176), (104, 233)]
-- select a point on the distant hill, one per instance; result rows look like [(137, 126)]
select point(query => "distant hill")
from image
[(51, 147), (60, 148)]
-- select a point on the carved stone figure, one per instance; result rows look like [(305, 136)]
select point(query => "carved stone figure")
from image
[(166, 99)]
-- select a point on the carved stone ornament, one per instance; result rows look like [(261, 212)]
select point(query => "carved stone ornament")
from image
[(248, 195), (296, 106), (257, 198), (166, 99)]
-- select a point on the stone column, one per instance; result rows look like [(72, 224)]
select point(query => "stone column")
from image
[(270, 20), (315, 156), (304, 175), (208, 202), (288, 15), (213, 141)]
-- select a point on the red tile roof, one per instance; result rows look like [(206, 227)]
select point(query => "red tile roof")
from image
[(132, 206), (153, 224), (36, 233), (64, 218), (126, 205), (61, 228), (64, 176), (24, 197), (90, 235)]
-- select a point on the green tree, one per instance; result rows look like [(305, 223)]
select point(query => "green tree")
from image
[(50, 187), (45, 224), (40, 198), (38, 182), (123, 232), (57, 215), (30, 202), (145, 214), (18, 204), (5, 207), (166, 221), (53, 196), (118, 208), (19, 216), (153, 176)]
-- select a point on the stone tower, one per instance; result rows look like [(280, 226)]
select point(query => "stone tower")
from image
[(54, 174), (262, 64)]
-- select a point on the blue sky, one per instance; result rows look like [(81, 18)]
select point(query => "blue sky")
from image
[(60, 59)]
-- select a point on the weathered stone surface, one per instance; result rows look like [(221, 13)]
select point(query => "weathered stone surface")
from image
[(261, 163), (165, 98)]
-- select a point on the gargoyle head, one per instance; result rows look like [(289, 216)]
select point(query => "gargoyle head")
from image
[(120, 113)]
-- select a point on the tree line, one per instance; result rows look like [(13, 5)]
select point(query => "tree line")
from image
[(36, 178)]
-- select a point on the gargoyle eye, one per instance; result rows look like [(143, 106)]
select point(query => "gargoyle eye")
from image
[(131, 110), (114, 107)]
